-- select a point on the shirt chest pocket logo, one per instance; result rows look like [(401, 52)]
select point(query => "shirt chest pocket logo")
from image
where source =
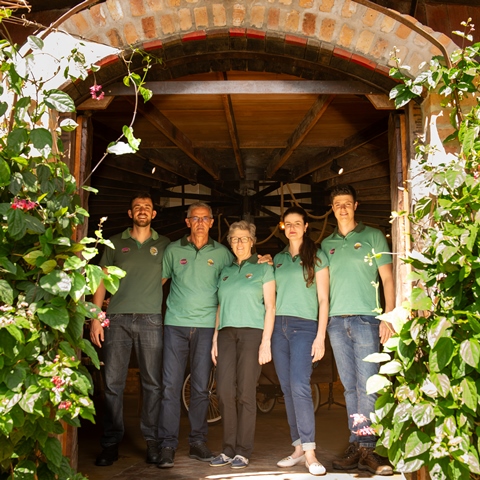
[(249, 276), (183, 261)]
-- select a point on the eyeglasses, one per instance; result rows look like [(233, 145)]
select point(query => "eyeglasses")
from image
[(200, 219), (240, 239)]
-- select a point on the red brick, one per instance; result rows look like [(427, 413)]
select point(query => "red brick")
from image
[(201, 17), (383, 70), (237, 32), (403, 31), (199, 35), (114, 38), (153, 45), (98, 17), (252, 33), (219, 15), (168, 24), (292, 21), (309, 24), (131, 34), (273, 19), (81, 24), (327, 29), (257, 16), (107, 60), (341, 53), (148, 26), (364, 62), (137, 8), (294, 40)]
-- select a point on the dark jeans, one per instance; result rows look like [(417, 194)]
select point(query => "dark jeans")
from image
[(292, 341), (144, 332), (182, 343), (237, 376), (354, 337)]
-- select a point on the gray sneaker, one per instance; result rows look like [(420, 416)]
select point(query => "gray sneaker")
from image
[(239, 461)]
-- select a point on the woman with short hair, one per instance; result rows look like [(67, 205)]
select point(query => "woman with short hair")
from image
[(241, 343)]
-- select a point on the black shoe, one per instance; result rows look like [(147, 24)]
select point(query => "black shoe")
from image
[(108, 456), (153, 455), (167, 455), (201, 452)]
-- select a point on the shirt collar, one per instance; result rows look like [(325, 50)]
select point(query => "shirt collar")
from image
[(184, 242), (127, 234), (253, 259), (359, 227)]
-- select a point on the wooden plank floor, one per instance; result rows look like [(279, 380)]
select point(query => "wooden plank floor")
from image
[(272, 442)]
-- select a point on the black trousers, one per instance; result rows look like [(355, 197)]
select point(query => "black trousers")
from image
[(237, 376)]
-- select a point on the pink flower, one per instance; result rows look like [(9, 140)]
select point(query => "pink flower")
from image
[(64, 405), (358, 418), (22, 204), (94, 89), (365, 432), (57, 381), (105, 323)]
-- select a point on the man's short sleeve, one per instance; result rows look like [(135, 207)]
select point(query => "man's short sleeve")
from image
[(167, 263)]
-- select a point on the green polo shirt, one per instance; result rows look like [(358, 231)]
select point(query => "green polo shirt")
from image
[(294, 299), (193, 301), (351, 277), (240, 293), (140, 290)]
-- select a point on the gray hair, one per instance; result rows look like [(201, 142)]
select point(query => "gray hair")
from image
[(242, 225), (199, 205)]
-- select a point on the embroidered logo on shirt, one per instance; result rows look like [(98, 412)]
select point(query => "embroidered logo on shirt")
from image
[(249, 275), (279, 265), (357, 245), (153, 251), (210, 262), (224, 278), (183, 261), (125, 250), (332, 251)]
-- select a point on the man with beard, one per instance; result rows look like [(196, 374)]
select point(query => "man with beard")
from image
[(135, 314)]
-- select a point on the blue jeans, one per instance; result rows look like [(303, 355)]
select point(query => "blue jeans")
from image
[(292, 341), (182, 343), (354, 337), (145, 333)]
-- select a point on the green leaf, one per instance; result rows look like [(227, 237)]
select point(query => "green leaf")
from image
[(35, 43), (412, 466), (4, 173), (16, 141), (79, 285), (469, 393), (391, 368), (48, 266), (16, 376), (470, 352), (376, 383), (17, 225), (25, 470), (30, 397), (6, 292), (55, 317), (73, 263), (34, 225), (68, 125), (423, 414), (416, 444), (419, 299), (88, 348), (60, 101), (437, 330), (57, 283), (6, 448), (442, 354), (94, 276), (53, 451), (442, 382)]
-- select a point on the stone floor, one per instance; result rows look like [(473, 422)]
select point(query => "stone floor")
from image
[(272, 442)]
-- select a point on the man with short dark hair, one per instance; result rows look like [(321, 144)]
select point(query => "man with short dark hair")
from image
[(194, 264), (135, 314), (353, 328)]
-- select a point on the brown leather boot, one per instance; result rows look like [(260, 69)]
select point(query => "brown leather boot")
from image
[(374, 463), (350, 459)]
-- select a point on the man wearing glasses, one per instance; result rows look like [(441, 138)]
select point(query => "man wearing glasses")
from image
[(193, 264)]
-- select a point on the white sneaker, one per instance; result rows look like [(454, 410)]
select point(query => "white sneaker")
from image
[(290, 461)]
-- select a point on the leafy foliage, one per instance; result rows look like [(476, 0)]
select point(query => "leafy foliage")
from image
[(44, 275), (428, 410)]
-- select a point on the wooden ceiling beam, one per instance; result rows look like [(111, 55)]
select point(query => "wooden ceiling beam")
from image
[(232, 127), (164, 125), (308, 122), (249, 87), (351, 143)]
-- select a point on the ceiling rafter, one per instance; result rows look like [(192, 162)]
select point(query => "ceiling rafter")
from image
[(351, 143), (164, 125), (308, 122), (232, 130)]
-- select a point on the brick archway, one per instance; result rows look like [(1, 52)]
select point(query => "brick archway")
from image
[(353, 37)]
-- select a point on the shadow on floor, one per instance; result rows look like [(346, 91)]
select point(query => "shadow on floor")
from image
[(272, 442)]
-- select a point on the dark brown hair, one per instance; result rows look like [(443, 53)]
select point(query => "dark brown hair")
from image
[(308, 248)]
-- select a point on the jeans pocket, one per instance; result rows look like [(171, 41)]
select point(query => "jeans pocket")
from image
[(155, 320), (368, 320)]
